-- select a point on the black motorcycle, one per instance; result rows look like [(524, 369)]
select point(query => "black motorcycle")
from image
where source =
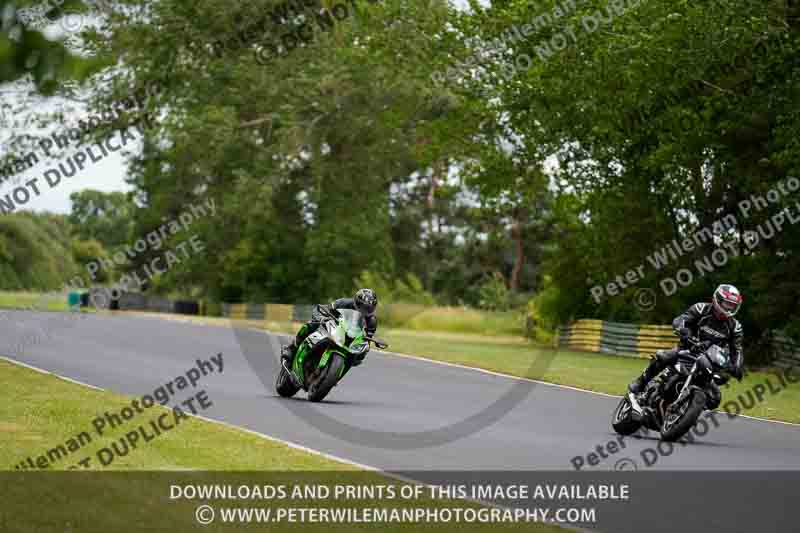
[(674, 400)]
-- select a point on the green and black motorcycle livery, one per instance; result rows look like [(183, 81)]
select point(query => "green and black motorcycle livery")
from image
[(326, 355)]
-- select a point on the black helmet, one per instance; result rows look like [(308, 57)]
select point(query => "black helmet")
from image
[(366, 301)]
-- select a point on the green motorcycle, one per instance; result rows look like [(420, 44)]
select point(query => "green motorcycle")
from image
[(326, 355)]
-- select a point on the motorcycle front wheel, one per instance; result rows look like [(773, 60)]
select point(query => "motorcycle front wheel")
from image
[(323, 385), (284, 385), (623, 420), (678, 421)]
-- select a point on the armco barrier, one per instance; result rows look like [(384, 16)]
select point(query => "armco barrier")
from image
[(133, 301), (302, 312), (140, 302), (279, 312), (272, 312), (786, 351), (637, 340), (615, 337)]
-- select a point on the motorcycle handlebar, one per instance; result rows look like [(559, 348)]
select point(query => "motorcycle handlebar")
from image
[(696, 346), (378, 343)]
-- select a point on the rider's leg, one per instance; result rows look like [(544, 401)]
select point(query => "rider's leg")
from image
[(662, 360), (288, 351), (715, 397)]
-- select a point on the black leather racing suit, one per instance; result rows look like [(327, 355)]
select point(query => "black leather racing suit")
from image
[(703, 324), (370, 324)]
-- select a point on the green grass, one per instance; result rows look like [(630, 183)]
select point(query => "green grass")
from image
[(451, 319), (40, 411), (40, 301)]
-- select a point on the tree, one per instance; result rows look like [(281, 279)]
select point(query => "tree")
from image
[(104, 217)]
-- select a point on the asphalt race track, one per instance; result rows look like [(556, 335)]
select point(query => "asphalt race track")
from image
[(392, 413)]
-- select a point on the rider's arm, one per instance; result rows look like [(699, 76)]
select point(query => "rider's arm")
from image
[(371, 325), (736, 348), (343, 303), (689, 318), (371, 322)]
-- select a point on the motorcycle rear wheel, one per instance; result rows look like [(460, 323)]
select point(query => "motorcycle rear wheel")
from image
[(623, 421), (676, 425), (322, 386)]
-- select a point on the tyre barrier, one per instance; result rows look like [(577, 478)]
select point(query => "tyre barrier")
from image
[(186, 307)]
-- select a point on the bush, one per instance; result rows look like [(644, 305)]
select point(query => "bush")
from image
[(84, 253), (493, 294), (465, 320), (35, 252), (408, 291), (209, 308), (545, 312)]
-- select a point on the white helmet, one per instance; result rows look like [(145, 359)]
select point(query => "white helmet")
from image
[(727, 301)]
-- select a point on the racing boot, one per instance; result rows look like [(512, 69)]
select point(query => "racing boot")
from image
[(638, 385)]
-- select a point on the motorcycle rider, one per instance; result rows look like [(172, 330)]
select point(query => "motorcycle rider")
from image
[(365, 302), (712, 322)]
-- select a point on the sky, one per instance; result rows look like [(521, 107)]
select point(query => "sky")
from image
[(107, 175)]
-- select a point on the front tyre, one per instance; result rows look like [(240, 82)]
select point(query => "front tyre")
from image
[(678, 422), (323, 385), (284, 385), (623, 420)]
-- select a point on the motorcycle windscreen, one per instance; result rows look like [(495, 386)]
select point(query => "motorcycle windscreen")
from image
[(352, 325), (718, 355)]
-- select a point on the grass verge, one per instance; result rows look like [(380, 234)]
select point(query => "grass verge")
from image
[(39, 411), (27, 300)]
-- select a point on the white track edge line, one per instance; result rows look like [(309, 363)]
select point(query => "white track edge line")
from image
[(445, 363), (490, 372), (47, 372), (558, 385), (288, 443), (520, 378), (232, 426), (384, 473)]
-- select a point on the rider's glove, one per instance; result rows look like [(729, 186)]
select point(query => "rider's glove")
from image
[(684, 333)]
